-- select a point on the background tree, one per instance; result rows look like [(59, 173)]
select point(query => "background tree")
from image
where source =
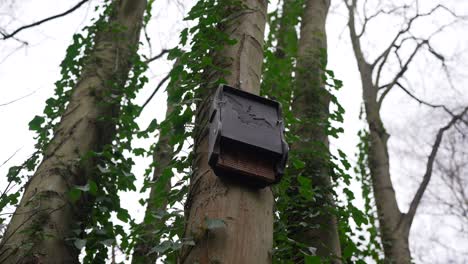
[(310, 104), (394, 224), (160, 187), (45, 218)]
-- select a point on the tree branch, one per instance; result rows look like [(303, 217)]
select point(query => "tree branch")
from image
[(162, 53), (160, 84), (355, 41), (10, 35), (9, 158), (367, 19), (429, 165), (407, 29), (402, 71), (18, 99), (384, 60), (424, 102)]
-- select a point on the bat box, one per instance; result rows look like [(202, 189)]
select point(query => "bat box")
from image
[(246, 138)]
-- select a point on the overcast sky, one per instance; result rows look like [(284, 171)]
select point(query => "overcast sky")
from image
[(31, 71)]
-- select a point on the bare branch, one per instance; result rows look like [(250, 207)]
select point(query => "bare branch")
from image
[(408, 28), (11, 35), (404, 66), (424, 102), (376, 14), (9, 158), (355, 41), (400, 74), (429, 166), (162, 53), (160, 84), (384, 60), (23, 44), (17, 99)]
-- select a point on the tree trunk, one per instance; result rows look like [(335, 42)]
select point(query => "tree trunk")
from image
[(311, 105), (394, 227), (394, 230), (247, 235), (45, 217), (286, 35)]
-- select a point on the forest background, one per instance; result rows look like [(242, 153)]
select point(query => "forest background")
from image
[(29, 67)]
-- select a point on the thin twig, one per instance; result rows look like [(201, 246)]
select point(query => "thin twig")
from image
[(424, 102), (9, 158), (160, 84), (10, 35), (400, 74), (17, 99), (162, 53)]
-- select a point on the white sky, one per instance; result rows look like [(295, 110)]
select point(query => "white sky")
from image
[(34, 69)]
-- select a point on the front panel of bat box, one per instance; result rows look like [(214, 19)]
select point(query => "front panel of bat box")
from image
[(251, 122)]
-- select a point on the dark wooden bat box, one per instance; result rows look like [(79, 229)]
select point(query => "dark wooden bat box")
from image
[(246, 138)]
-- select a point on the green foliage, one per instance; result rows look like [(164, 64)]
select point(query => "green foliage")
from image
[(372, 247)]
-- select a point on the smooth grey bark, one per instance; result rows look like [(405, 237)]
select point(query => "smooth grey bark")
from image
[(311, 104), (45, 217), (247, 236)]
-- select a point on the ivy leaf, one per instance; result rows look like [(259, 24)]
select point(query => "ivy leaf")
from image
[(338, 83), (161, 248), (123, 215), (358, 216), (36, 122), (312, 259), (92, 187), (152, 126), (74, 194), (13, 173), (184, 36), (139, 151), (79, 243), (298, 164), (305, 187)]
